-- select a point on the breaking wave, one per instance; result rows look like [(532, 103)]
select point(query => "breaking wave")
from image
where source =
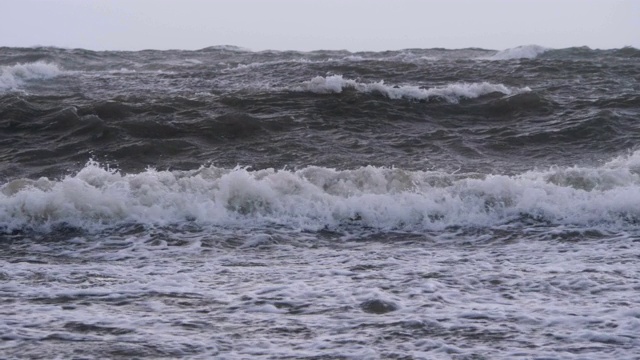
[(317, 198), (520, 52), (451, 93), (12, 77)]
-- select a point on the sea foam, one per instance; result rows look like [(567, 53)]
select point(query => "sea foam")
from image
[(12, 77), (452, 92), (316, 198)]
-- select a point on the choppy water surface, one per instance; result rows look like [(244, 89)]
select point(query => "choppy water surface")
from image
[(223, 203)]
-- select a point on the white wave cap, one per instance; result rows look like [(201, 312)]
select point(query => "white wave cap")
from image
[(316, 198), (14, 76), (451, 93), (520, 52)]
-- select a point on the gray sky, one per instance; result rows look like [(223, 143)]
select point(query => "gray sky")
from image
[(319, 24)]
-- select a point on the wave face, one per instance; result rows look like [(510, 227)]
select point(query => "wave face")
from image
[(224, 203)]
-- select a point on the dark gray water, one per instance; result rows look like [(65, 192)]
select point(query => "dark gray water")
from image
[(424, 203)]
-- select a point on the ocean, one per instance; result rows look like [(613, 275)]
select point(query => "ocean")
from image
[(230, 204)]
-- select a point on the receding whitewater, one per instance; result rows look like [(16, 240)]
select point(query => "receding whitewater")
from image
[(414, 204)]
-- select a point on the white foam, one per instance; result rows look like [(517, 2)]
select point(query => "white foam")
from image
[(402, 57), (193, 61), (299, 302), (316, 198), (12, 77), (451, 93), (273, 62), (354, 58), (122, 70), (520, 52)]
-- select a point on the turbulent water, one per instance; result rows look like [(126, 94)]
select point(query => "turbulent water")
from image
[(414, 204)]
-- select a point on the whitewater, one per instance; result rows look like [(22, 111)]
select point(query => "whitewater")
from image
[(413, 204)]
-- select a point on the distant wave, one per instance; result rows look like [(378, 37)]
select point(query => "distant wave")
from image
[(232, 48), (520, 52), (12, 77), (451, 93), (316, 198)]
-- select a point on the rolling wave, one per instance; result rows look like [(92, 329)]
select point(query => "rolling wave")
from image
[(451, 93), (317, 198), (14, 76)]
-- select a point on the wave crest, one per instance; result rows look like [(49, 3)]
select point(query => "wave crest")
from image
[(520, 52), (451, 93), (316, 198), (12, 77)]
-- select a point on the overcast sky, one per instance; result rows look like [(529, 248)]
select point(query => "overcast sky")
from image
[(319, 24)]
